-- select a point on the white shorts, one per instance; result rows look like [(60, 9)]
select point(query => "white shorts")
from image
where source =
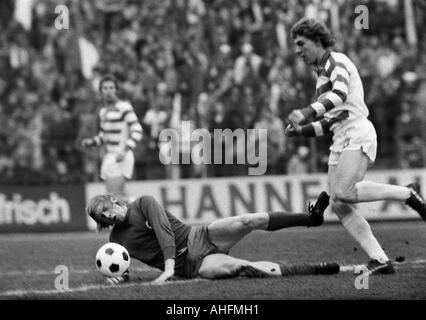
[(112, 169), (358, 134)]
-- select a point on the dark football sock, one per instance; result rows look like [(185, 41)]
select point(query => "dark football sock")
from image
[(281, 220), (308, 268)]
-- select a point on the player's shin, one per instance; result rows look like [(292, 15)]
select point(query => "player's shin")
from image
[(309, 268), (360, 230), (281, 220), (259, 269), (264, 269)]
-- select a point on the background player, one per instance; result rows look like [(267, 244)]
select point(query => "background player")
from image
[(154, 236), (340, 108), (119, 133)]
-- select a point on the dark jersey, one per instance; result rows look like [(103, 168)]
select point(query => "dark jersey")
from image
[(150, 233)]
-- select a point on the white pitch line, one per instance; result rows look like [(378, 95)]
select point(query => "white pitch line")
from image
[(95, 287), (11, 293), (49, 273), (354, 267)]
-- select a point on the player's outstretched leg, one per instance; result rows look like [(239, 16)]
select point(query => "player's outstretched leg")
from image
[(225, 233), (216, 266), (366, 191), (416, 200)]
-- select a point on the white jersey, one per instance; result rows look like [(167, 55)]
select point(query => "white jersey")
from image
[(339, 92), (119, 128), (339, 88)]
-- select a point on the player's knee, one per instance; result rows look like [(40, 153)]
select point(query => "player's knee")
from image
[(346, 195), (207, 273), (214, 268), (340, 209), (247, 222)]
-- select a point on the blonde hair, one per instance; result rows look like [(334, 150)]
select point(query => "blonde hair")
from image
[(99, 204)]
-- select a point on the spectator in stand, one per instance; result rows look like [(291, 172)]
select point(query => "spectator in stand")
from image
[(157, 118), (275, 139)]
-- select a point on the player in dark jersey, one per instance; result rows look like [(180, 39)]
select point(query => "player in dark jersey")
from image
[(154, 236)]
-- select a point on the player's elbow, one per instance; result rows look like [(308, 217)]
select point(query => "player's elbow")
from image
[(341, 93)]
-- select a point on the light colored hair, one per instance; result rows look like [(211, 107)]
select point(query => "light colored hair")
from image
[(99, 204)]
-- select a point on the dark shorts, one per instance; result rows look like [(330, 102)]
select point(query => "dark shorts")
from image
[(199, 246)]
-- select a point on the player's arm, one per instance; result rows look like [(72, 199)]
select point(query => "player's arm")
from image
[(97, 140), (135, 128), (339, 77), (313, 129), (159, 222), (169, 271)]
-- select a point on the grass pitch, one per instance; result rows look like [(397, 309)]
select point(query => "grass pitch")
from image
[(28, 263)]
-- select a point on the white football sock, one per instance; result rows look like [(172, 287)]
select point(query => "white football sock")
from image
[(373, 191), (360, 230)]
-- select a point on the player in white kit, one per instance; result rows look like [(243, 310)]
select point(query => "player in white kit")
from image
[(119, 133), (340, 108)]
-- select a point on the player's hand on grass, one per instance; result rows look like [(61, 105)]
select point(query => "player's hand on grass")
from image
[(117, 280), (166, 275)]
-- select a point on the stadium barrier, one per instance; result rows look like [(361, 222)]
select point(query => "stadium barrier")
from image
[(54, 208), (203, 200)]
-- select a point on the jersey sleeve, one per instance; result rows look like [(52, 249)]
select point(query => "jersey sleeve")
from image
[(338, 73), (99, 138), (157, 218), (316, 129), (135, 128), (322, 126)]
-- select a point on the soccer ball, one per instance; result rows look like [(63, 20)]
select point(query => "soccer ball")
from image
[(112, 260)]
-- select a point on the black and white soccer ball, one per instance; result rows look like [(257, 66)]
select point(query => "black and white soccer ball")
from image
[(112, 260)]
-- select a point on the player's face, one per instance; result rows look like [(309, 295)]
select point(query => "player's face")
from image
[(307, 49), (116, 214), (109, 91)]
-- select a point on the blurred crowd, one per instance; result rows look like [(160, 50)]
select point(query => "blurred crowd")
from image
[(215, 63)]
